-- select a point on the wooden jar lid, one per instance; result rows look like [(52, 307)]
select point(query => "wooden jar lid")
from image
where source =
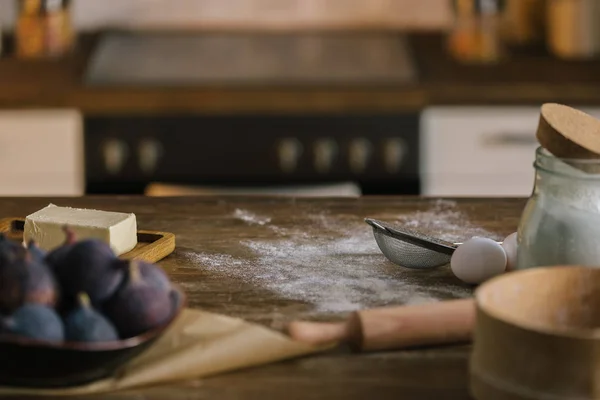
[(568, 133)]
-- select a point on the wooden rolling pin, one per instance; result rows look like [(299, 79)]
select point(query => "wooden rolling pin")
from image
[(391, 328)]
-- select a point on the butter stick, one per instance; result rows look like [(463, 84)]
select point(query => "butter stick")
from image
[(45, 226)]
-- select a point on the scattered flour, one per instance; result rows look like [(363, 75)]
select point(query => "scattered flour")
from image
[(250, 217), (443, 221), (341, 269)]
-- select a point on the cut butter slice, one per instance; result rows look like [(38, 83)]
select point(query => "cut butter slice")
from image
[(45, 226)]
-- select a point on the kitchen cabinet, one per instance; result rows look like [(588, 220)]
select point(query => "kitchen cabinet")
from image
[(379, 153), (478, 151), (41, 153)]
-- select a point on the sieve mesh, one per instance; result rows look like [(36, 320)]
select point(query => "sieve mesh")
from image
[(411, 249)]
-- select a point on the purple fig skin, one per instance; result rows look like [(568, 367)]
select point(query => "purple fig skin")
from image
[(41, 287), (37, 322), (13, 276), (89, 267), (24, 278), (10, 251), (155, 276), (56, 257), (138, 306), (12, 287), (150, 273), (85, 324), (36, 253), (26, 281)]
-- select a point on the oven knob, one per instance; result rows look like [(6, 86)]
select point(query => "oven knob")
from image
[(289, 151), (359, 153), (393, 154), (115, 154), (325, 154), (149, 151)]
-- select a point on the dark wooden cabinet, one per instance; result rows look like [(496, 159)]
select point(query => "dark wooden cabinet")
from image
[(379, 152)]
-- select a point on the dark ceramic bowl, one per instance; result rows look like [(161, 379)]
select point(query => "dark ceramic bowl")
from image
[(29, 363)]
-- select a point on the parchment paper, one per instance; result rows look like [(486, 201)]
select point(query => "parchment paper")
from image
[(198, 344)]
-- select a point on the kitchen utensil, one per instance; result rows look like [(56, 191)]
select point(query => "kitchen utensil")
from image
[(394, 327), (411, 249), (573, 29), (537, 335), (152, 246), (28, 363)]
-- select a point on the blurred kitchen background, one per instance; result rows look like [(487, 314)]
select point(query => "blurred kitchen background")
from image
[(302, 97)]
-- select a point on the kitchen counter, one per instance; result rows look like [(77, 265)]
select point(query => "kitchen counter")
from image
[(532, 78), (272, 260)]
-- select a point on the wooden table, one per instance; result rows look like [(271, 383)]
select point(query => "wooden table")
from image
[(271, 260)]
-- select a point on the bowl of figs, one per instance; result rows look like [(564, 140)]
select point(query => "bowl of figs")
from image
[(75, 314)]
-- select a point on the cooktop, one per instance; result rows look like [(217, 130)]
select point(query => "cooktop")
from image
[(184, 59)]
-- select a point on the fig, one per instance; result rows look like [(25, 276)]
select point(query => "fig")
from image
[(85, 324), (56, 257), (12, 275), (155, 275), (138, 305), (10, 251), (40, 285), (26, 280), (151, 273), (12, 286), (89, 267), (35, 321), (37, 253)]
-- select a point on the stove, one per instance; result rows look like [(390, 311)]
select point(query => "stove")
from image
[(184, 59), (380, 153)]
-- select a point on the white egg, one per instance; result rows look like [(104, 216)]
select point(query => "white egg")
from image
[(510, 247), (477, 260)]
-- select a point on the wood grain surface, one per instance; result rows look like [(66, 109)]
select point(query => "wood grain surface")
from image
[(211, 229)]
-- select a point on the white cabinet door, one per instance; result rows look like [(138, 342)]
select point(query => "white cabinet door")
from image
[(41, 153), (478, 151)]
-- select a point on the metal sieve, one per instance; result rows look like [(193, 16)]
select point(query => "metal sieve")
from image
[(409, 248)]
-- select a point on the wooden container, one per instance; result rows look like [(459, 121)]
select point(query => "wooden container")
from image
[(537, 335)]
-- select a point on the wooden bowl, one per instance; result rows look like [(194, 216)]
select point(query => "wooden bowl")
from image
[(537, 335), (29, 363)]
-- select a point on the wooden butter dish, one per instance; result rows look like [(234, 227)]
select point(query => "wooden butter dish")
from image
[(152, 246)]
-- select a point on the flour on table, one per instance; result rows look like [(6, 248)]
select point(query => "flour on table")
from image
[(444, 222), (341, 269), (250, 217)]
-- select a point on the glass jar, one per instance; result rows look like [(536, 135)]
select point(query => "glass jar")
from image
[(560, 224)]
